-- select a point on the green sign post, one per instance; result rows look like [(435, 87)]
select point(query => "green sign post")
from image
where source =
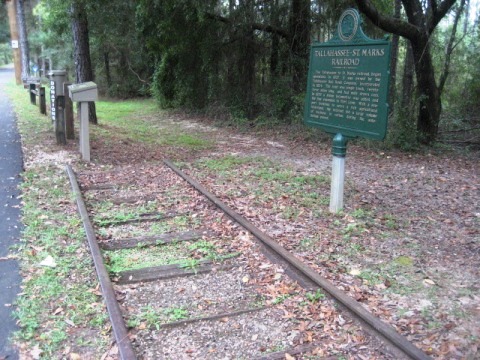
[(347, 91)]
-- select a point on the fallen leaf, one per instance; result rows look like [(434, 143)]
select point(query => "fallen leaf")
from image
[(58, 311), (36, 352), (49, 261), (355, 272)]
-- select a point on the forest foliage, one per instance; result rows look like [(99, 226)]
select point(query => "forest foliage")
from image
[(246, 61)]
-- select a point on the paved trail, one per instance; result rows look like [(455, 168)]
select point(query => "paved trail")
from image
[(11, 164)]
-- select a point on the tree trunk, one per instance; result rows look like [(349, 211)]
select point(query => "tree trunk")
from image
[(274, 51), (247, 61), (430, 105), (23, 38), (394, 60), (300, 41), (407, 81), (450, 47), (106, 60), (81, 53), (12, 19), (423, 18)]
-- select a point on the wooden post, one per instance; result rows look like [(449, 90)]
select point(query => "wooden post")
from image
[(12, 18), (69, 124), (42, 100), (60, 120), (84, 131), (31, 89)]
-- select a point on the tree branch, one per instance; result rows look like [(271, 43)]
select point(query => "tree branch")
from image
[(254, 26), (441, 11), (414, 12), (450, 47), (387, 23)]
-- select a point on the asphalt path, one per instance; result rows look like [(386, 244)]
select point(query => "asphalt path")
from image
[(11, 165)]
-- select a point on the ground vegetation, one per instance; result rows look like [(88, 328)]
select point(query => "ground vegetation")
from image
[(245, 62)]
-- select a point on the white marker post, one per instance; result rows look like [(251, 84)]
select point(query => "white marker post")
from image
[(339, 150), (84, 131)]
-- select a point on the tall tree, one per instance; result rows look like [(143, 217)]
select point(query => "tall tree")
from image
[(23, 38), (81, 53), (4, 30), (423, 17), (394, 61), (451, 46), (300, 41)]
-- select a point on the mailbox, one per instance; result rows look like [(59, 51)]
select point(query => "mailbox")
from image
[(83, 92), (57, 78)]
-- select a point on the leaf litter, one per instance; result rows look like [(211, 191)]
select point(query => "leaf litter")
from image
[(421, 206)]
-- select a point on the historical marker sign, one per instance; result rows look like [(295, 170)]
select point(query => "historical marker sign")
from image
[(348, 82)]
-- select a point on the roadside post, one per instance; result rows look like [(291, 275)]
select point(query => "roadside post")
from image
[(84, 93), (32, 88), (347, 92), (57, 104), (69, 126), (43, 101), (57, 78), (59, 123)]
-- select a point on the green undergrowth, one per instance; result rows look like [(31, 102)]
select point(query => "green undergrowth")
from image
[(59, 307), (268, 183), (59, 288), (148, 228), (136, 121), (130, 259), (33, 125), (154, 318), (187, 255)]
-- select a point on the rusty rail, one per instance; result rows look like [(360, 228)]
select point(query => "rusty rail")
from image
[(381, 329), (118, 325)]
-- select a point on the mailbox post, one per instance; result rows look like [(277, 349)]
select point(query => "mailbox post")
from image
[(84, 93)]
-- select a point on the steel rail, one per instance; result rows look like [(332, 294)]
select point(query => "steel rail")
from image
[(118, 325), (386, 331)]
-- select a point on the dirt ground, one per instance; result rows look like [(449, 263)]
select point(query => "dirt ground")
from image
[(406, 245)]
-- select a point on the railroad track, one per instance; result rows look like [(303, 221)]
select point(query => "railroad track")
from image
[(186, 277)]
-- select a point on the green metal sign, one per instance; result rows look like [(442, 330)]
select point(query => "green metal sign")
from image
[(348, 81)]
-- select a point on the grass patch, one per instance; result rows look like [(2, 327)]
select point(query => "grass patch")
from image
[(129, 121), (229, 162), (63, 292), (148, 228), (153, 318), (186, 140), (33, 126), (131, 259), (187, 255), (268, 183), (53, 297)]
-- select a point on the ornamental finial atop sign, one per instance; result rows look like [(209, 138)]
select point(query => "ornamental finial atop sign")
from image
[(349, 28)]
